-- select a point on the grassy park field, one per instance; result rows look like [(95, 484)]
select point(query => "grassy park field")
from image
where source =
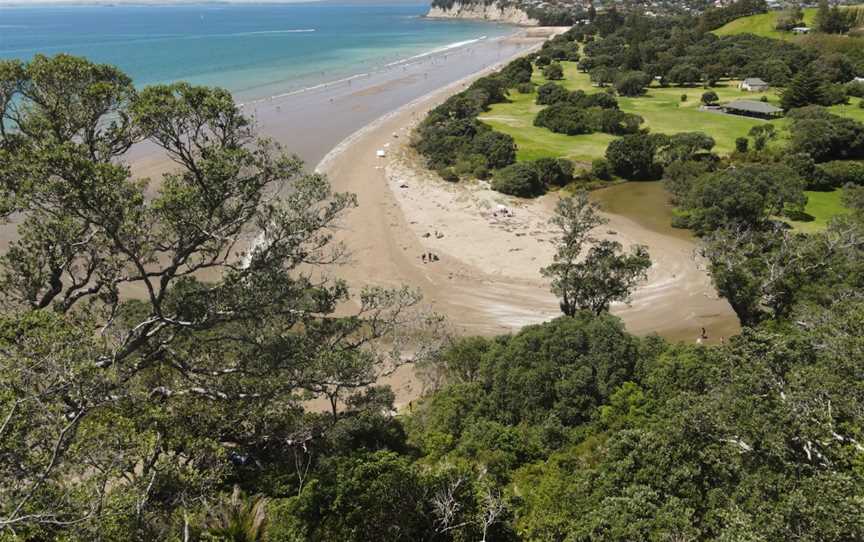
[(821, 206), (662, 109), (664, 112), (762, 25)]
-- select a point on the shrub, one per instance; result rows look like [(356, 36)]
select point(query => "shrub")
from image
[(543, 60), (600, 168), (831, 175), (634, 156), (518, 179), (553, 72), (856, 89), (553, 171), (449, 174), (632, 83), (614, 121), (683, 97), (498, 148), (552, 93), (742, 144), (525, 88), (564, 119), (710, 97), (598, 99)]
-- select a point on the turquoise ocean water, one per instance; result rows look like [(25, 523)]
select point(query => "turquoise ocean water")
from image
[(255, 51)]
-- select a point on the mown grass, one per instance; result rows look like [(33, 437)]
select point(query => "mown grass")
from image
[(662, 109), (762, 25), (821, 207)]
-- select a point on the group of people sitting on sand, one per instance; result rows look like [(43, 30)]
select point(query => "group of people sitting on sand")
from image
[(429, 257), (503, 212)]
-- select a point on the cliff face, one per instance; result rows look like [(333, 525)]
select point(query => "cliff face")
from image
[(492, 12)]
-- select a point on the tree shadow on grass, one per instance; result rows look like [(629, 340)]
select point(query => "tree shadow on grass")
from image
[(799, 216)]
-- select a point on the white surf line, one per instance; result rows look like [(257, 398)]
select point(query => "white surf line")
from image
[(405, 61), (348, 141)]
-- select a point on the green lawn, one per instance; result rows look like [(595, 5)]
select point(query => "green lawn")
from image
[(821, 206), (661, 108), (762, 25)]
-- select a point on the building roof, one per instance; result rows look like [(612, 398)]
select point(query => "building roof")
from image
[(752, 106), (755, 81)]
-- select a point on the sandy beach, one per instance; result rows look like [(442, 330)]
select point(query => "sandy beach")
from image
[(487, 278)]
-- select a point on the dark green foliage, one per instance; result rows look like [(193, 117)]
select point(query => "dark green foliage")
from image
[(855, 88), (832, 20), (679, 177), (710, 97), (498, 149), (553, 72), (564, 118), (742, 144), (745, 196), (839, 173), (713, 18), (853, 198), (450, 135), (632, 83), (686, 146), (560, 48), (684, 75), (805, 89), (600, 169), (762, 134), (377, 496), (603, 100), (634, 157), (525, 88), (824, 136), (551, 93), (562, 369), (516, 72), (553, 171), (614, 121), (518, 179)]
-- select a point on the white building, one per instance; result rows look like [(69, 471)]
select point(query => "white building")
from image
[(753, 84)]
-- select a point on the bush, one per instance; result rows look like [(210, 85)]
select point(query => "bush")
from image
[(600, 168), (553, 171), (598, 99), (710, 97), (831, 175), (517, 72), (552, 93), (518, 179), (553, 72), (634, 156), (498, 148), (564, 119), (632, 83), (449, 174), (742, 144), (525, 88), (543, 60), (614, 121), (683, 97), (856, 89)]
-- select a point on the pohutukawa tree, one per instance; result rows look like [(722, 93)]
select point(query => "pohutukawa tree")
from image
[(587, 273), (145, 336)]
